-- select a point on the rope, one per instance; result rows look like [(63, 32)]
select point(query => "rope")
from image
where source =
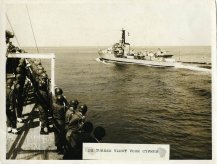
[(32, 28), (12, 29)]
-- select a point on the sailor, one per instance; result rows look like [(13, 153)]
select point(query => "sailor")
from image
[(21, 51), (76, 122), (22, 62), (43, 106), (18, 77), (99, 133), (78, 119), (30, 73), (32, 60), (11, 48), (14, 99), (36, 81), (40, 67), (83, 137), (74, 150), (59, 123), (37, 62), (19, 70), (59, 91), (70, 111), (10, 107), (43, 77), (8, 36), (15, 93), (39, 71), (34, 67), (20, 98)]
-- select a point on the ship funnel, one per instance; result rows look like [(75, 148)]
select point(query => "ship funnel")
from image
[(123, 36)]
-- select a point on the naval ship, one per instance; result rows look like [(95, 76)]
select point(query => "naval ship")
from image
[(122, 53)]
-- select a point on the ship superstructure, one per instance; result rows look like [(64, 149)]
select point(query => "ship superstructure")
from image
[(122, 53)]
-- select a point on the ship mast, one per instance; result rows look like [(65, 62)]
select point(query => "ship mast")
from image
[(123, 36)]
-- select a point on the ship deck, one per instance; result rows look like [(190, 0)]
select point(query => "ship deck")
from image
[(29, 144)]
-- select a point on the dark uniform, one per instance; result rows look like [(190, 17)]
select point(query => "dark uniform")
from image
[(59, 91), (43, 77), (31, 75), (76, 141), (70, 111), (68, 116), (8, 36), (43, 106), (76, 121), (84, 136), (59, 123), (10, 107), (99, 133), (20, 98), (41, 94), (75, 124)]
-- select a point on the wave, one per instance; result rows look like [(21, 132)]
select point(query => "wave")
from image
[(197, 63), (101, 61), (192, 67)]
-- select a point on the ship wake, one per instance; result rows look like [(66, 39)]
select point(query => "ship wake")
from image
[(192, 67)]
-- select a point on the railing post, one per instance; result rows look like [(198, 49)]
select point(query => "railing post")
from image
[(52, 75)]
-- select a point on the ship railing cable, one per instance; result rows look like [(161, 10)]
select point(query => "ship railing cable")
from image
[(32, 28), (12, 30)]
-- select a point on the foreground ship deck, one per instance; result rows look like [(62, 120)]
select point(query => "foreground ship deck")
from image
[(29, 144)]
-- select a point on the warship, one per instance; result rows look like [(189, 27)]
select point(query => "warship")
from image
[(122, 53)]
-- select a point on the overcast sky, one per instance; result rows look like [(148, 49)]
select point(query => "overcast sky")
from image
[(98, 23)]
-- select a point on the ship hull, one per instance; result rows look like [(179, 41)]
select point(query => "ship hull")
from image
[(111, 58)]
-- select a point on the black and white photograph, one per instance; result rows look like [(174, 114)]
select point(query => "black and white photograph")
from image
[(80, 74)]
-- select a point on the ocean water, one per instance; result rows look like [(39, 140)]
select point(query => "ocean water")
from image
[(140, 104)]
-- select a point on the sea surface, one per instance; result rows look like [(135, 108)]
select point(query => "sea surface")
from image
[(140, 104)]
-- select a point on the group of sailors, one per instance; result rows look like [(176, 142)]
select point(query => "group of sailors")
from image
[(56, 114), (70, 127)]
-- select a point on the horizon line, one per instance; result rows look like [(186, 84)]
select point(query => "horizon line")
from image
[(110, 46)]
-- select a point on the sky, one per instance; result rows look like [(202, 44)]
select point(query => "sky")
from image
[(99, 23)]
